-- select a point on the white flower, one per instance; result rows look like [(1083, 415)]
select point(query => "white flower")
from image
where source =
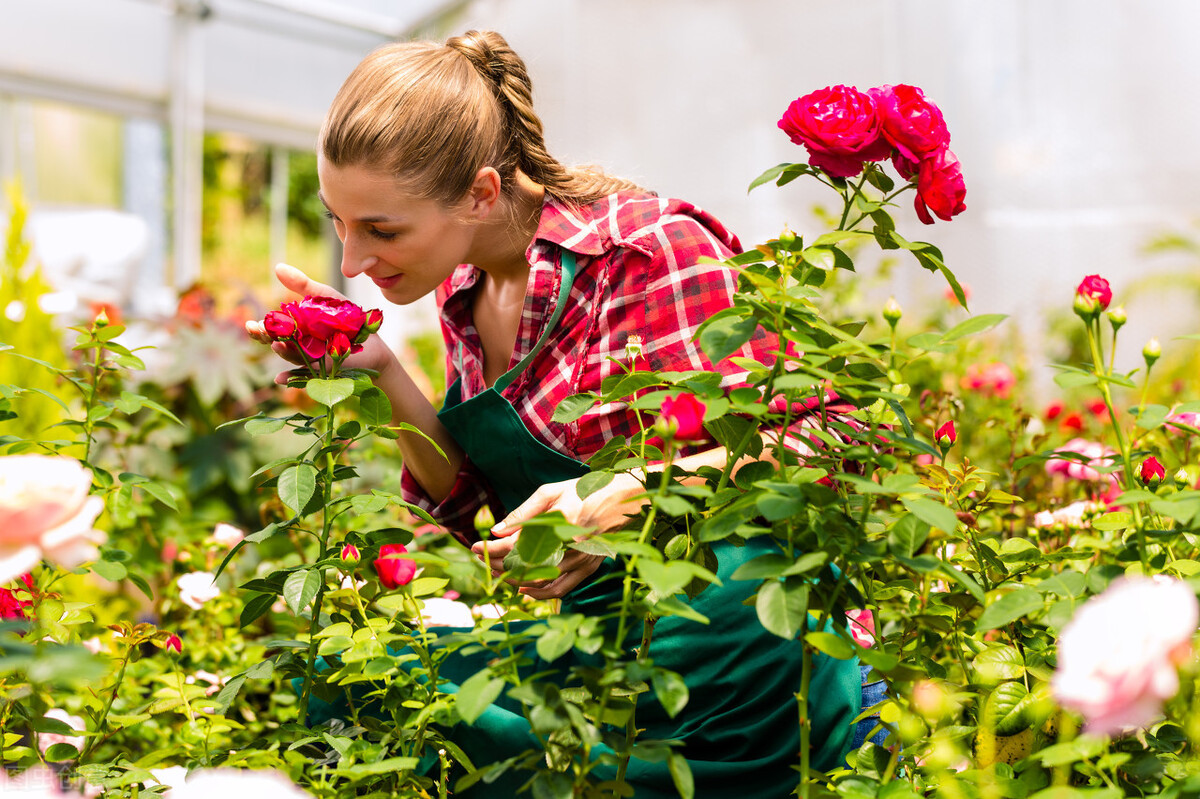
[(46, 510), (226, 535), (442, 612), (1118, 658), (196, 588), (233, 783)]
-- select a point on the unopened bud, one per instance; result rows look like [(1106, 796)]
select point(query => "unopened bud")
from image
[(350, 555), (1151, 352), (787, 238), (374, 320), (101, 319), (1182, 478), (339, 346), (1117, 317), (485, 519), (1151, 472), (633, 347), (946, 435), (892, 311)]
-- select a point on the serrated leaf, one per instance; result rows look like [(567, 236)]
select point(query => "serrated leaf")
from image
[(671, 690), (592, 482), (1007, 708), (1008, 608), (329, 392), (300, 588), (725, 336), (296, 486), (374, 407), (537, 543), (783, 607), (476, 695), (573, 407), (831, 644), (256, 606), (935, 514)]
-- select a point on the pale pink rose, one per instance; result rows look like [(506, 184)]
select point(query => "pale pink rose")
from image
[(232, 782), (196, 588), (46, 511), (1190, 419), (1043, 520), (35, 783), (226, 535), (215, 681), (861, 624), (443, 612), (48, 739), (1094, 452), (1118, 657)]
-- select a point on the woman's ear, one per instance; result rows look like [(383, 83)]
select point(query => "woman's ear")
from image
[(484, 193)]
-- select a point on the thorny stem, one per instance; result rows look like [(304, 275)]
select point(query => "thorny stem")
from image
[(102, 719)]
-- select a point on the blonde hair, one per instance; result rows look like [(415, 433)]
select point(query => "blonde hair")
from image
[(434, 115)]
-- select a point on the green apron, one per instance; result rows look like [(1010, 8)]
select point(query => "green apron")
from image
[(740, 724)]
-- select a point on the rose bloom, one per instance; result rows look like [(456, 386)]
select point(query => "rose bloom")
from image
[(46, 511), (839, 126), (1151, 471), (1094, 292), (394, 571), (319, 319), (940, 188), (1093, 451), (226, 535), (196, 588), (1188, 418), (1118, 657), (911, 123), (685, 415)]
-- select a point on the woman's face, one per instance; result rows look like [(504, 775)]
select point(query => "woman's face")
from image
[(406, 245)]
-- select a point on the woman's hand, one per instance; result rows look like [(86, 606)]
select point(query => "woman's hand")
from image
[(604, 510), (375, 354)]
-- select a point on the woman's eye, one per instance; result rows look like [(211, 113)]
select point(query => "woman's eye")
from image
[(382, 234)]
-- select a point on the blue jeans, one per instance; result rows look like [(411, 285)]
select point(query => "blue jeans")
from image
[(872, 694)]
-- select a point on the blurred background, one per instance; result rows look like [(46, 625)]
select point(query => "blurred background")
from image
[(162, 144)]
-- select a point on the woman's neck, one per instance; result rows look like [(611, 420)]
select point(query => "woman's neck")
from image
[(501, 243)]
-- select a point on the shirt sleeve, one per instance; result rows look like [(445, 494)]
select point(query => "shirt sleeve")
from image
[(457, 511)]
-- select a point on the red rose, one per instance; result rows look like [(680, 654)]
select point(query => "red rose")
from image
[(10, 606), (839, 127), (940, 187), (279, 325), (684, 416), (910, 122), (374, 320), (393, 570), (339, 345), (1094, 293), (321, 317), (1151, 472), (946, 435), (350, 554), (173, 642)]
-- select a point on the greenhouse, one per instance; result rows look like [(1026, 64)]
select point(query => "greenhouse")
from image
[(554, 398)]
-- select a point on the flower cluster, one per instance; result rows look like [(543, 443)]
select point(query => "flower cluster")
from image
[(995, 379), (843, 129), (322, 326), (1082, 470)]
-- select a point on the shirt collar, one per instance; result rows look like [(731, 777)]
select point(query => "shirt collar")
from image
[(572, 227)]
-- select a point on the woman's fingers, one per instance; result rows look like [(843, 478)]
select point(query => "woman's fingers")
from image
[(299, 283)]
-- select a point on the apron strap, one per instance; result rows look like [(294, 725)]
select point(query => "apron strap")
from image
[(564, 288)]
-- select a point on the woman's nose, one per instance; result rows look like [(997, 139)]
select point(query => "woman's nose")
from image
[(356, 259)]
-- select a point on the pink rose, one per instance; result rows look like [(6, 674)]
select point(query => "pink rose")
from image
[(1187, 418), (196, 588), (839, 126), (1151, 472), (393, 570), (46, 510), (279, 325), (911, 123), (940, 187), (226, 535), (682, 418), (946, 435), (1118, 657), (322, 324)]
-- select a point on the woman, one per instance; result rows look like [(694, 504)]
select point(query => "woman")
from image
[(433, 168)]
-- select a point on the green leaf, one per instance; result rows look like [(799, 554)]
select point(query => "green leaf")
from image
[(671, 691), (1007, 708), (935, 514), (59, 752), (114, 572), (300, 588), (668, 579), (973, 326), (329, 392), (573, 407), (681, 775), (1008, 608), (537, 543), (592, 482), (476, 694), (725, 336), (783, 607), (374, 408), (831, 644), (296, 486), (256, 606), (998, 663), (1074, 379), (908, 535), (385, 766)]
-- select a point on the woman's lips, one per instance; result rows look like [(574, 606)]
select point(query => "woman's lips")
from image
[(387, 282)]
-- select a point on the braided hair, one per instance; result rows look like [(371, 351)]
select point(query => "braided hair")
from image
[(434, 115)]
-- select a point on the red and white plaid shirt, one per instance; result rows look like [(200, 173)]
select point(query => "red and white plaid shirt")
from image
[(638, 272)]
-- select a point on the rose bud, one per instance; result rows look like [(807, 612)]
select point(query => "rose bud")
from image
[(892, 312), (1182, 478), (173, 642), (374, 320), (1092, 296), (1151, 352), (682, 418), (633, 347), (393, 570), (101, 319), (484, 518), (946, 435), (1151, 472), (339, 346), (279, 325), (1117, 317), (350, 555)]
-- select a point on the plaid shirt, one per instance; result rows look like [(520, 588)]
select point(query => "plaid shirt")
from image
[(637, 273)]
